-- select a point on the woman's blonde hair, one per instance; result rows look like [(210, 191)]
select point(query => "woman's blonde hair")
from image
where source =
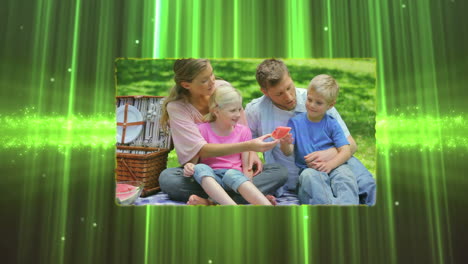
[(224, 94), (185, 70)]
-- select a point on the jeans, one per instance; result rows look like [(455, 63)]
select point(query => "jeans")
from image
[(365, 181), (179, 188), (339, 187), (229, 179)]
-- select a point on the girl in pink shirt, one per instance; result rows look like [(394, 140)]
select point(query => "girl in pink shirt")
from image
[(229, 172), (183, 110)]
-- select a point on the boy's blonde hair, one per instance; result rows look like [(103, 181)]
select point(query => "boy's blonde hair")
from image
[(326, 86), (224, 94)]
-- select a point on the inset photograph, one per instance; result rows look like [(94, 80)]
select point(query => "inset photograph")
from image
[(269, 132)]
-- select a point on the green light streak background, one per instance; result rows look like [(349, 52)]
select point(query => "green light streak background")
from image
[(57, 108)]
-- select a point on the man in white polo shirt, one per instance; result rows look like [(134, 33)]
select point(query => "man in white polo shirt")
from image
[(281, 101)]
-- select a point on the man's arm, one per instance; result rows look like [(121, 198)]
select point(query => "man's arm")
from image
[(352, 144), (312, 159), (344, 153), (325, 155)]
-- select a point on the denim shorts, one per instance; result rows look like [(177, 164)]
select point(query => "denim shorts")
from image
[(229, 179)]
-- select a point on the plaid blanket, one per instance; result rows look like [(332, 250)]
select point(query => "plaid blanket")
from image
[(162, 198)]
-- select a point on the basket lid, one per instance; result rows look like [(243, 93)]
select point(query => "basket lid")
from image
[(144, 132)]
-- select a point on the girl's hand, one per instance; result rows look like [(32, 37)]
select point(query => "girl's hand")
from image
[(248, 173), (189, 169), (288, 139), (255, 164), (259, 145)]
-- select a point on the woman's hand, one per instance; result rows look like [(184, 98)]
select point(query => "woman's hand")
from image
[(259, 145), (189, 169)]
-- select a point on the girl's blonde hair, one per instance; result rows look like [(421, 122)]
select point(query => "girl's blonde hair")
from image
[(224, 94), (185, 70)]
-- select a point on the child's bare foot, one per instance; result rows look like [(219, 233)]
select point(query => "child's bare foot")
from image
[(271, 198), (197, 200)]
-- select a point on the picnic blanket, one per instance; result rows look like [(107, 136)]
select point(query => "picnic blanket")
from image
[(162, 198)]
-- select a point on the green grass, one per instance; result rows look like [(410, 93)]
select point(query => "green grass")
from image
[(366, 152), (356, 78)]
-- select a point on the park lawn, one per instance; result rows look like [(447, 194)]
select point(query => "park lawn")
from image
[(356, 78)]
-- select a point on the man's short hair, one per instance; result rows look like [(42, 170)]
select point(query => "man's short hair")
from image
[(270, 72)]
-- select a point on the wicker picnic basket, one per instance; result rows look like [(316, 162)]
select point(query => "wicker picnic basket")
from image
[(145, 157)]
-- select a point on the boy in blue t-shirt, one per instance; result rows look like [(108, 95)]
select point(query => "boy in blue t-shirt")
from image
[(332, 182)]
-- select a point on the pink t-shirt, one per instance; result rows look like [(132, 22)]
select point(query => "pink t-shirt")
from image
[(183, 120), (240, 133)]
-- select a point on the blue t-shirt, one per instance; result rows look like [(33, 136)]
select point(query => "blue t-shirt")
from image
[(314, 136)]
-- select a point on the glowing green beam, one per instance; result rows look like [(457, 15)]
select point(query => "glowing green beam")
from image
[(68, 135), (395, 132), (236, 29), (38, 75), (195, 32), (329, 29), (147, 232), (406, 132), (157, 29), (305, 232)]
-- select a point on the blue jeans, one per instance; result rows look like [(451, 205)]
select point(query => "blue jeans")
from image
[(179, 188), (365, 181), (338, 187), (229, 179)]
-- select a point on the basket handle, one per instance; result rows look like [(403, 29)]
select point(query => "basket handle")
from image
[(128, 168)]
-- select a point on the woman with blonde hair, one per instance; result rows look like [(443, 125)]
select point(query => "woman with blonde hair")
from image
[(183, 109)]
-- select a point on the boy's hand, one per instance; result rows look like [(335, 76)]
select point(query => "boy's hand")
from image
[(288, 139), (189, 169), (323, 166), (312, 159), (286, 145)]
